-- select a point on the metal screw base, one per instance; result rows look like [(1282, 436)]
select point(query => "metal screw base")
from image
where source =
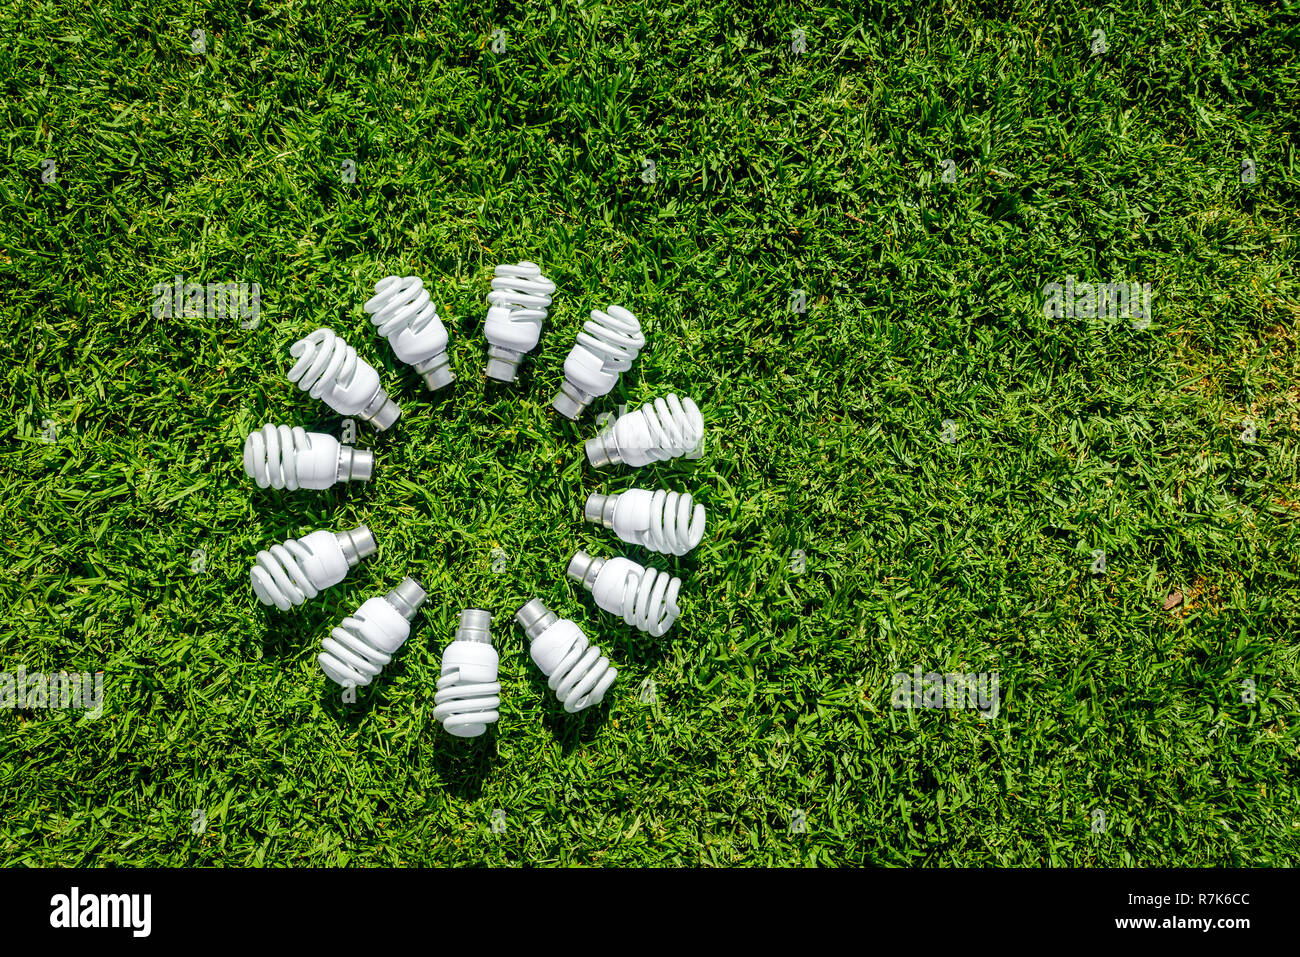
[(381, 411), (603, 450), (571, 401), (475, 625), (600, 509), (535, 618), (503, 364), (357, 544), (583, 568), (355, 465), (436, 371), (407, 597)]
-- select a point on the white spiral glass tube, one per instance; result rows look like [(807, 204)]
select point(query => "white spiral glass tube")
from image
[(365, 641), (288, 574), (606, 348), (576, 671), (468, 692), (667, 522), (278, 456), (645, 597), (517, 305), (330, 370), (664, 429), (403, 311)]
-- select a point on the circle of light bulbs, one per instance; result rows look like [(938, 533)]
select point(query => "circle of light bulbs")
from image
[(286, 457)]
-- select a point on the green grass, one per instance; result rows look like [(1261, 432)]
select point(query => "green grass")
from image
[(774, 172)]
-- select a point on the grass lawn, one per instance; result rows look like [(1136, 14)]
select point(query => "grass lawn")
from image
[(836, 224)]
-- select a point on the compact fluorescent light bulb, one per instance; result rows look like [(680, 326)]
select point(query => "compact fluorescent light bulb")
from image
[(290, 573), (668, 522), (277, 456), (364, 642), (606, 348), (403, 311), (577, 672), (468, 691), (330, 370), (517, 306), (664, 429), (645, 597)]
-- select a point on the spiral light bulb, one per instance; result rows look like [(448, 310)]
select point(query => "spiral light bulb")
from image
[(403, 311), (364, 642), (668, 522), (277, 456), (290, 573), (468, 692), (645, 597), (577, 672), (664, 429), (517, 306), (330, 370), (606, 347)]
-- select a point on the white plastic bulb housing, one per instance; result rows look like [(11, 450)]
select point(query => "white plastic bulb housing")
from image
[(468, 692), (664, 429), (284, 457), (289, 574), (403, 311), (576, 671), (517, 306), (364, 642), (606, 348), (330, 370), (667, 522), (646, 598)]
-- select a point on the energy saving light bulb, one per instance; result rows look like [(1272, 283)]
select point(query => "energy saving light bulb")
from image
[(330, 370), (645, 597), (277, 456), (606, 347), (288, 574), (578, 674), (403, 311), (364, 642), (517, 305), (468, 691), (664, 429), (668, 522)]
